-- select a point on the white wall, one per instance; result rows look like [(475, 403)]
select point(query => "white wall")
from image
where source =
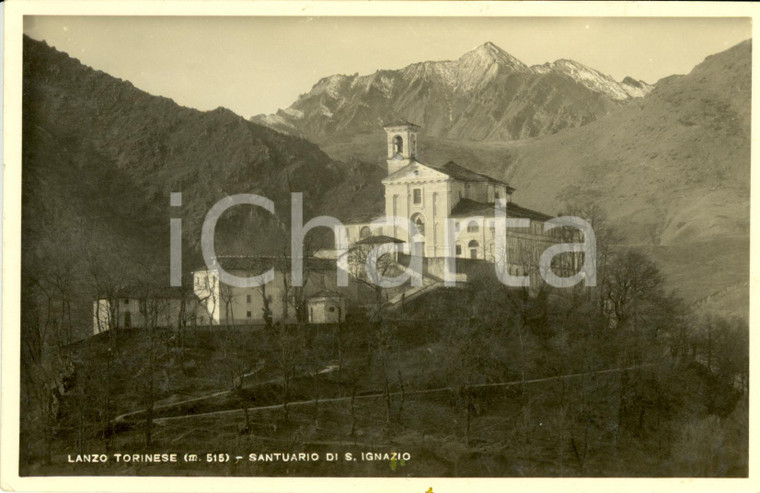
[(246, 305), (433, 208), (101, 316), (325, 310), (128, 310)]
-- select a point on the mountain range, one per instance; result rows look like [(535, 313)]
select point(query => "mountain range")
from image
[(486, 94)]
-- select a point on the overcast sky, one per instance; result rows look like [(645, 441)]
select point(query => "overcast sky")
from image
[(259, 64)]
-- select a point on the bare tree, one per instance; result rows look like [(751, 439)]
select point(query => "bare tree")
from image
[(464, 368), (44, 372), (186, 314), (208, 292), (607, 239), (634, 281), (266, 306), (153, 309), (108, 282), (289, 344), (386, 266), (227, 297)]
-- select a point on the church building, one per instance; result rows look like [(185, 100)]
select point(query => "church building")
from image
[(428, 196)]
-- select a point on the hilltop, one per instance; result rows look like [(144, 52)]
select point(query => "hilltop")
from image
[(670, 168)]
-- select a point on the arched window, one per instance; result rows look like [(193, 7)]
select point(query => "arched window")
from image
[(364, 232), (472, 227), (419, 222), (473, 247), (398, 145)]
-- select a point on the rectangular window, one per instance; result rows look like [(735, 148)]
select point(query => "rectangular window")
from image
[(248, 314), (459, 249), (417, 195), (248, 298)]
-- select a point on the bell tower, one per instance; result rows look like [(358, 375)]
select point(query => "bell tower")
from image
[(402, 144)]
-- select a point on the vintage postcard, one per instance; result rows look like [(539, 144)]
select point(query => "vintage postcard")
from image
[(377, 246)]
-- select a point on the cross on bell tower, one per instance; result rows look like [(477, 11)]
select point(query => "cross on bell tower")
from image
[(402, 144)]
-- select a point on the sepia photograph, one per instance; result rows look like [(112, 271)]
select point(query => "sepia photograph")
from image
[(360, 244)]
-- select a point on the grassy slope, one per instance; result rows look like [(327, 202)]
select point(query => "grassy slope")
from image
[(505, 440)]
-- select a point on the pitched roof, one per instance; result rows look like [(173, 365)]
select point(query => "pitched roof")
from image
[(463, 174), (378, 240), (137, 291), (400, 123), (363, 218), (514, 210), (452, 170), (467, 207), (402, 171), (259, 265), (325, 293)]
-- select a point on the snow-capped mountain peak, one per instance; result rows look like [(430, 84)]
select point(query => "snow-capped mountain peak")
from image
[(595, 80), (636, 88), (332, 85), (485, 94), (488, 54)]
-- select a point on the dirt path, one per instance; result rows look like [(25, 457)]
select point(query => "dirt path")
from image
[(407, 393), (124, 417)]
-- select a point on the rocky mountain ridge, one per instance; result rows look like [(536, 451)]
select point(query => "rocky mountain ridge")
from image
[(486, 94)]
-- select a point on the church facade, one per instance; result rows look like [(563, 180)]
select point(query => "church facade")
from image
[(429, 196)]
